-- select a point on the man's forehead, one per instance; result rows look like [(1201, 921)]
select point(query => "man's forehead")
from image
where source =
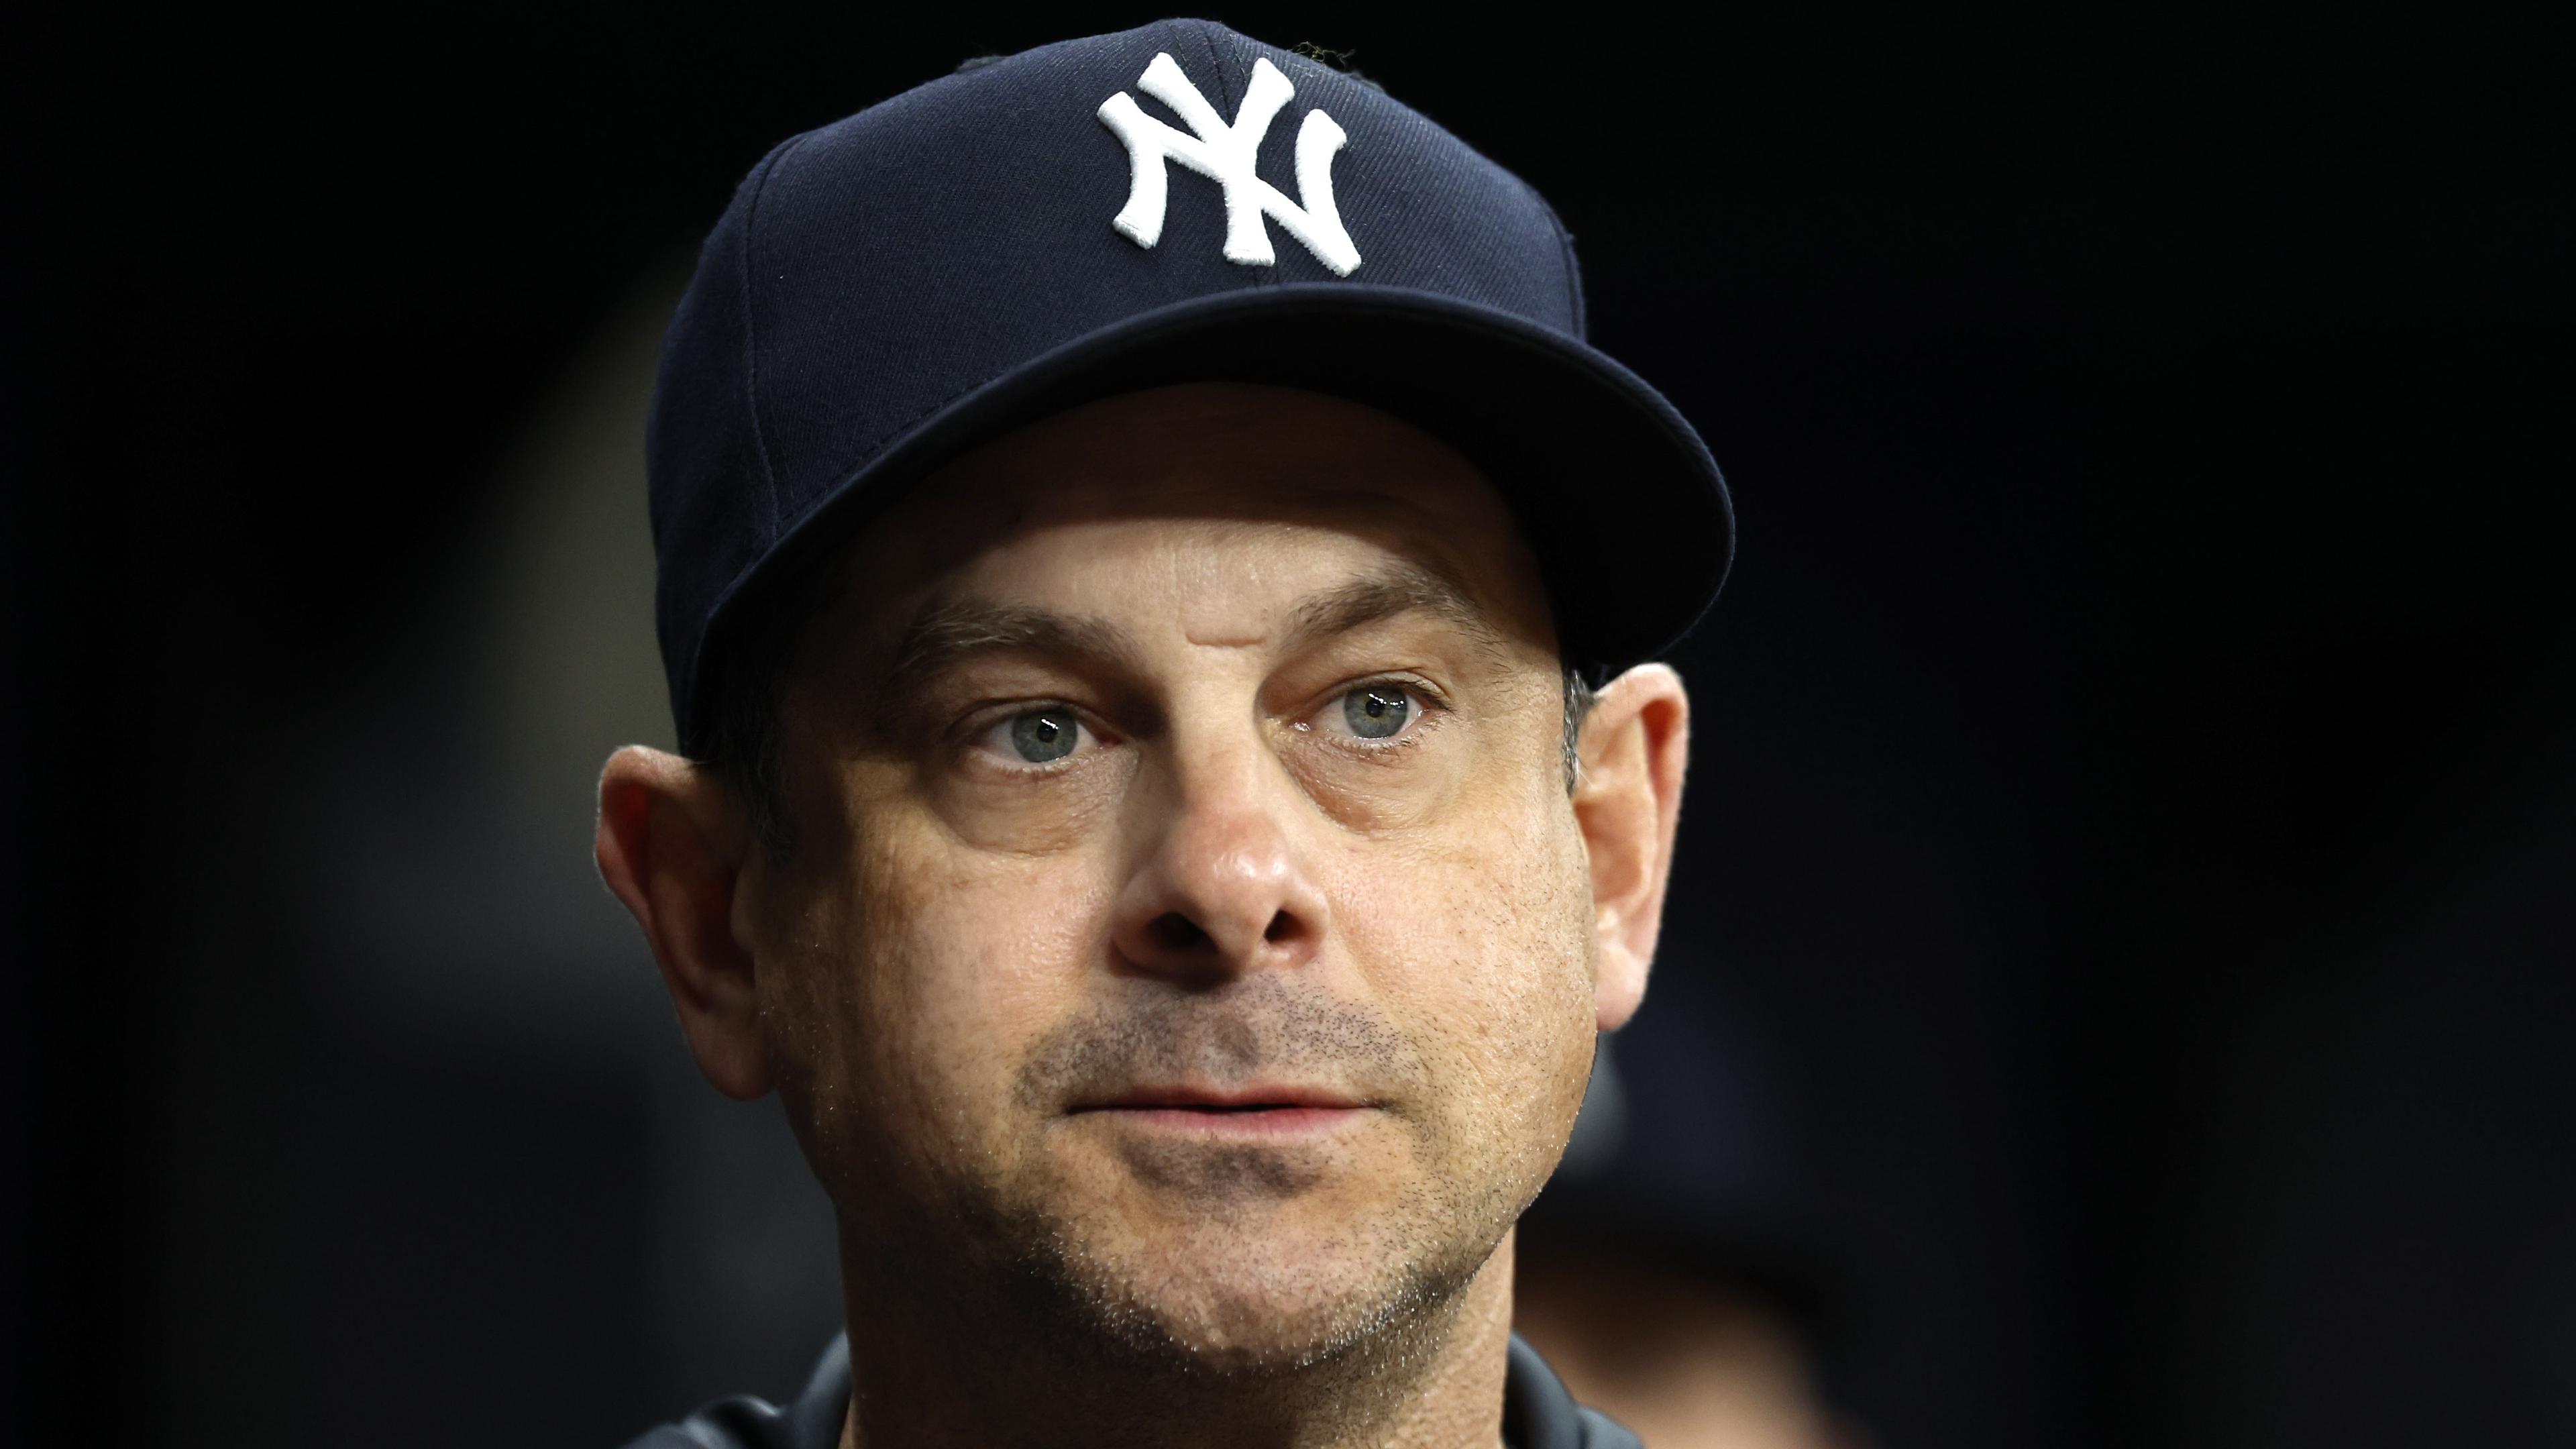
[(1152, 585), (1316, 493)]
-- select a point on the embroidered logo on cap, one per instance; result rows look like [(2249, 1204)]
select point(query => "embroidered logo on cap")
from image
[(1225, 154)]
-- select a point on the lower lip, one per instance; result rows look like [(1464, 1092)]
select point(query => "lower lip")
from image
[(1266, 1122)]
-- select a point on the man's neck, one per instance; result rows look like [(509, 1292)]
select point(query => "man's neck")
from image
[(915, 1386)]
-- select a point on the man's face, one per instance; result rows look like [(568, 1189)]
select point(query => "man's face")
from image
[(1187, 922)]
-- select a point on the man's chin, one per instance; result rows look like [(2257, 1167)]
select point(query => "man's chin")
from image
[(1212, 1301), (1231, 1261), (1238, 1328)]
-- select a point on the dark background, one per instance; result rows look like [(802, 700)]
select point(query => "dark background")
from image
[(2133, 810)]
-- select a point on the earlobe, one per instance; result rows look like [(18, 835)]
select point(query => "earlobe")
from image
[(1634, 749), (670, 847)]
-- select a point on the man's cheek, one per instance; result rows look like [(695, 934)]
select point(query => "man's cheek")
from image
[(1051, 819), (989, 960), (1484, 948)]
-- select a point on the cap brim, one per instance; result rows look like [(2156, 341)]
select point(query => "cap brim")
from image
[(1616, 493)]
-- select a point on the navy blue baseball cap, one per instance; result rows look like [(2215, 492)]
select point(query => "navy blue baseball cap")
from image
[(1175, 203)]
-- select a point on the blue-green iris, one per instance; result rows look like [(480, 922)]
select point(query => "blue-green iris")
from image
[(1376, 711), (1045, 735)]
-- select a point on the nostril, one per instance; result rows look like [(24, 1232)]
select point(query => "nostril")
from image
[(1282, 926), (1176, 932)]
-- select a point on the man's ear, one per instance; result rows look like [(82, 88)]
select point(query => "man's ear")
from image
[(671, 845), (1627, 801)]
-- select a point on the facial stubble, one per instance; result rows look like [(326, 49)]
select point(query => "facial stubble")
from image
[(1209, 1287)]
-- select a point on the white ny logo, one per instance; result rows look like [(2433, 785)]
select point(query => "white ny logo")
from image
[(1225, 154)]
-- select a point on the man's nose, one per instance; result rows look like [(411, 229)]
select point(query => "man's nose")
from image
[(1224, 890)]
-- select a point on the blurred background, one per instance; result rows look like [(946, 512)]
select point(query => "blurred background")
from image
[(2118, 989)]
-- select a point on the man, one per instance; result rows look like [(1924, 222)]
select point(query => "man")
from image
[(1147, 810)]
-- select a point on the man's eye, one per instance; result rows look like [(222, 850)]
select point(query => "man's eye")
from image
[(1041, 736), (1379, 711)]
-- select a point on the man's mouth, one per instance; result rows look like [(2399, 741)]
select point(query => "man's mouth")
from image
[(1257, 1110)]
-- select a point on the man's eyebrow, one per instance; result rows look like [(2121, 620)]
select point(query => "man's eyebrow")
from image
[(1383, 593), (946, 632)]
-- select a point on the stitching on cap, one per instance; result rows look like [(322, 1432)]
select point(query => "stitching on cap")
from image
[(750, 341), (1229, 105), (1565, 249), (1226, 102)]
